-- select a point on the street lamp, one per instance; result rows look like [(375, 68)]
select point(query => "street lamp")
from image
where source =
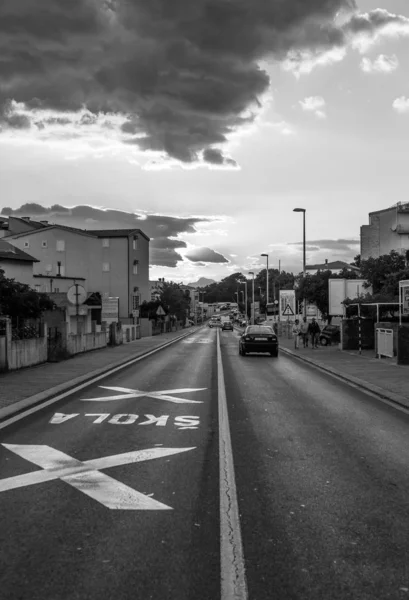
[(252, 308), (303, 211), (267, 296), (204, 293), (245, 298)]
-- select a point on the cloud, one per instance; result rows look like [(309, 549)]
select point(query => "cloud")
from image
[(171, 79), (342, 245), (164, 230), (314, 104), (381, 64), (401, 105), (206, 255)]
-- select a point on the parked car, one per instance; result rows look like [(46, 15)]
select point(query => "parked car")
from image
[(227, 326), (258, 338), (330, 334)]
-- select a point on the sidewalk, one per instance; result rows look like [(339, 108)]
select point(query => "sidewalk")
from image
[(384, 376), (26, 387)]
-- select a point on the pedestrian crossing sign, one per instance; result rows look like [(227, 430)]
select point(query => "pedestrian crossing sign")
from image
[(288, 311), (160, 312)]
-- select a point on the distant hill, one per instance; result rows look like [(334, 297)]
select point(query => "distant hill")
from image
[(202, 282)]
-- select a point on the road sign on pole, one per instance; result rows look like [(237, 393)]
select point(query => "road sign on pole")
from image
[(160, 312), (288, 311)]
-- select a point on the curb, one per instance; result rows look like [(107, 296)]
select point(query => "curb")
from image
[(369, 387), (30, 401)]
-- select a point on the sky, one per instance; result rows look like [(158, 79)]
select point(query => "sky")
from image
[(205, 122)]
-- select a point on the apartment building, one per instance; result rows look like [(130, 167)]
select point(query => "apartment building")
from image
[(114, 263), (16, 264), (335, 267), (388, 230), (156, 288)]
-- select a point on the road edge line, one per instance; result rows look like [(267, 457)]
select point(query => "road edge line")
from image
[(381, 394), (46, 398), (232, 567)]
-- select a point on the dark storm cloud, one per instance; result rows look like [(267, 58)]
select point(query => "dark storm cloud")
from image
[(162, 229), (205, 255), (343, 245), (182, 73)]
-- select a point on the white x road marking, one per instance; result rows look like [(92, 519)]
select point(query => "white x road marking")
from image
[(162, 395), (85, 476)]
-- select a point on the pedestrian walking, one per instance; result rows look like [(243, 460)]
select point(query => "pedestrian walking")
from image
[(314, 331), (296, 334), (304, 332)]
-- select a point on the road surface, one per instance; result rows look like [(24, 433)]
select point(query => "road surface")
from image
[(113, 492)]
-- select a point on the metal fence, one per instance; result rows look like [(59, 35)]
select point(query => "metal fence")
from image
[(25, 329), (384, 342)]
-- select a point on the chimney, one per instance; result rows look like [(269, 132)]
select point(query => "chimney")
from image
[(326, 261), (44, 222)]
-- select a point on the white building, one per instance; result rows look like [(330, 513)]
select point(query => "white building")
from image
[(388, 230)]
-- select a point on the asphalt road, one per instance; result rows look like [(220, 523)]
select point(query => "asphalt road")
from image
[(321, 476), (322, 480), (58, 538)]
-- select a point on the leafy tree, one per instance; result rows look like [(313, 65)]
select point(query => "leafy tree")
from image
[(378, 271), (20, 300), (174, 300), (314, 288)]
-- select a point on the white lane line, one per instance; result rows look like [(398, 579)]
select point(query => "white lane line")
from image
[(233, 578), (89, 382)]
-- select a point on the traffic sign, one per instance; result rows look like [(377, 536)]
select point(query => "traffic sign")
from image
[(288, 311), (160, 312)]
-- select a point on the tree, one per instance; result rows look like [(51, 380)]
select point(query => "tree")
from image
[(378, 271), (174, 300), (20, 300), (314, 288)]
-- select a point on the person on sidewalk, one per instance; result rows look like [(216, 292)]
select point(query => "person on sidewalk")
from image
[(304, 331), (314, 331), (296, 334)]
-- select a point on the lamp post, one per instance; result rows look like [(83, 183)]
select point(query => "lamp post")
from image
[(303, 211), (204, 293), (252, 308), (245, 298), (267, 296)]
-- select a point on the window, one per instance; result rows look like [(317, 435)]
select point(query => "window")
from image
[(62, 270), (57, 290), (38, 287), (48, 268), (60, 245), (135, 267), (105, 267), (26, 244), (44, 244), (135, 302), (105, 243), (135, 242)]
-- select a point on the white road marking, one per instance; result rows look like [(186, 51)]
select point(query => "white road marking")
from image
[(160, 395), (85, 476), (233, 578), (181, 422), (199, 341)]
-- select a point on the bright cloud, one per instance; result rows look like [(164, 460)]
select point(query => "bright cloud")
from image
[(314, 104), (401, 105), (381, 64)]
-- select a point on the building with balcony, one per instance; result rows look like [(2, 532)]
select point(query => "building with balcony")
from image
[(388, 230)]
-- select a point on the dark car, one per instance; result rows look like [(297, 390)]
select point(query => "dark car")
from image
[(258, 338), (330, 334), (227, 325)]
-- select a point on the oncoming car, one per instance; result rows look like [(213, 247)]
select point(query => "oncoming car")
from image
[(258, 338), (227, 325)]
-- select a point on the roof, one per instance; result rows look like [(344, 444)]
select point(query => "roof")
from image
[(110, 233), (48, 227), (338, 264), (10, 252), (35, 224)]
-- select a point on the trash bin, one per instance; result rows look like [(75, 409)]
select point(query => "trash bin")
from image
[(403, 345)]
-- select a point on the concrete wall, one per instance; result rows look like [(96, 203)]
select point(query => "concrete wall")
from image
[(18, 270), (24, 353), (146, 328), (130, 333), (85, 342)]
